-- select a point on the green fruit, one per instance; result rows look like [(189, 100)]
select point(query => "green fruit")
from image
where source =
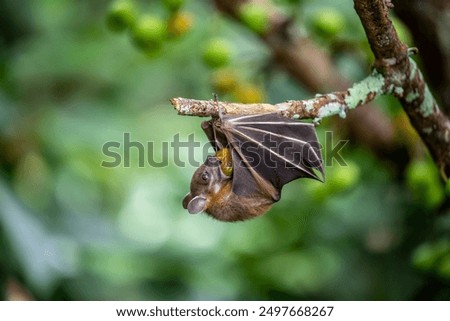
[(254, 17), (224, 80), (173, 5), (328, 22), (217, 53), (179, 24), (149, 33), (121, 15), (249, 94), (419, 173), (424, 183)]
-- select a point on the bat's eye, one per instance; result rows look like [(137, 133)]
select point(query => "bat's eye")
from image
[(205, 176)]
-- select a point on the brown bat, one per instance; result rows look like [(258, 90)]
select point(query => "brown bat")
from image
[(255, 156)]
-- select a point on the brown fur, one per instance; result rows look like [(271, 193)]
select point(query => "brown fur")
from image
[(221, 202), (229, 207)]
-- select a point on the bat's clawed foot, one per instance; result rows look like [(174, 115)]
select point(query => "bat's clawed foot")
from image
[(212, 161)]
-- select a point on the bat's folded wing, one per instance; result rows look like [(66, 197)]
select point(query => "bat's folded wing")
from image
[(269, 151)]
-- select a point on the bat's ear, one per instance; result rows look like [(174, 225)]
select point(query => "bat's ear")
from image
[(186, 200), (196, 205)]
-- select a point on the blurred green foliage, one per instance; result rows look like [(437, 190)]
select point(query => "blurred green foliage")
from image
[(72, 229)]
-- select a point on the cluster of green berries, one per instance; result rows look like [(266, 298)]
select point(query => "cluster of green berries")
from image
[(226, 81), (217, 55), (149, 31)]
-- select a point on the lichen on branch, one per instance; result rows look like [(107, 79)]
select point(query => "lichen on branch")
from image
[(317, 108), (406, 81)]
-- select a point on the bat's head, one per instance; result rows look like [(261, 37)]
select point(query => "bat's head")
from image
[(207, 181)]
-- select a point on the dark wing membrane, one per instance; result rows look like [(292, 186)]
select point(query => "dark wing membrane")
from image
[(276, 149), (246, 181), (216, 137)]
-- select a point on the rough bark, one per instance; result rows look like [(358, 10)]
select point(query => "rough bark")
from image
[(405, 80), (429, 23)]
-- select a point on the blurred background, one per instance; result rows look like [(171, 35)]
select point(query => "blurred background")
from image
[(75, 75)]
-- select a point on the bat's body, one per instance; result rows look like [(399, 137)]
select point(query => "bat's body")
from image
[(212, 192), (255, 156)]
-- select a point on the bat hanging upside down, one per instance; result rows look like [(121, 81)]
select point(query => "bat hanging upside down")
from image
[(255, 156)]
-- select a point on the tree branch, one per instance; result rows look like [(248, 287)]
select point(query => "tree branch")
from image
[(314, 69), (336, 103), (429, 24), (394, 74), (405, 81)]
